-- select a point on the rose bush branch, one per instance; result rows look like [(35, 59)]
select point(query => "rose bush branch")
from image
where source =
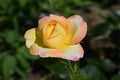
[(72, 67)]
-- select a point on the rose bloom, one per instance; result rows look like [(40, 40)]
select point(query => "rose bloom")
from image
[(58, 37)]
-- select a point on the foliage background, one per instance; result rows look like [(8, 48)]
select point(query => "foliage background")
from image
[(102, 43)]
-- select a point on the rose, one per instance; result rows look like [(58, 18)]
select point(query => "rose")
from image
[(57, 36)]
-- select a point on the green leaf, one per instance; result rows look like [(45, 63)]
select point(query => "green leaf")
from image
[(116, 77), (21, 73), (22, 61), (80, 77), (2, 18), (1, 62), (11, 37), (108, 65), (94, 61), (91, 72), (9, 65), (23, 2), (82, 2), (59, 69), (15, 23)]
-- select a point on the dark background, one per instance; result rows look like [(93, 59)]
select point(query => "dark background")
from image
[(101, 45)]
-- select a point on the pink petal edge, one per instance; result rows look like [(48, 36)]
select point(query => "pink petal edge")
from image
[(73, 52), (45, 52), (81, 30)]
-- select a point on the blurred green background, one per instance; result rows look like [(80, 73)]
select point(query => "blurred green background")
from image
[(101, 45)]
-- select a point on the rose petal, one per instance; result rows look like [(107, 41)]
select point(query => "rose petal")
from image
[(29, 43), (58, 30), (59, 19), (30, 36), (73, 52), (64, 22), (79, 28), (45, 52), (55, 42)]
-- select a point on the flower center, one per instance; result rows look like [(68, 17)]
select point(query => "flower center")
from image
[(54, 35)]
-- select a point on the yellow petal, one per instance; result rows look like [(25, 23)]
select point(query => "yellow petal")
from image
[(30, 36), (48, 31), (29, 43), (57, 39), (58, 30), (55, 42)]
